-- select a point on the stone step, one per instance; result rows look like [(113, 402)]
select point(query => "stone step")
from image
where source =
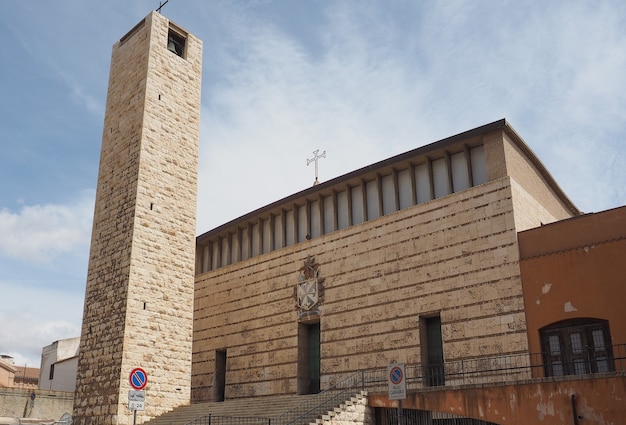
[(261, 407)]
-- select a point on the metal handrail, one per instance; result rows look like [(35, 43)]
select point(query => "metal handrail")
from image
[(307, 411), (321, 403)]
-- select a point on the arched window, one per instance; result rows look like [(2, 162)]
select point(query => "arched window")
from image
[(577, 347)]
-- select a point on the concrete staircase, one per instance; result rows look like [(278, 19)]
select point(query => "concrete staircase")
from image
[(259, 407), (352, 411)]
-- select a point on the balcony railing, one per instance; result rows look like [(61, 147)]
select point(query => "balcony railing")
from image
[(498, 369)]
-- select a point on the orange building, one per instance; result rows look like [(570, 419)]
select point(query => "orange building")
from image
[(12, 376), (574, 283)]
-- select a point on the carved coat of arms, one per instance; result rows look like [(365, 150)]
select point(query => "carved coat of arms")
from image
[(308, 289)]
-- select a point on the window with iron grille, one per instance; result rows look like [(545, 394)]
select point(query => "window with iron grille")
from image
[(577, 347)]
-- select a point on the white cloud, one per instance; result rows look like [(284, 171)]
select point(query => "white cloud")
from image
[(33, 317), (39, 233), (364, 80), (385, 84)]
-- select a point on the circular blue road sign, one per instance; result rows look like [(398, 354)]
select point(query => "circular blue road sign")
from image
[(396, 375), (138, 378)]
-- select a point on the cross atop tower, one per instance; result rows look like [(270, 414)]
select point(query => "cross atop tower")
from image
[(161, 4), (315, 158)]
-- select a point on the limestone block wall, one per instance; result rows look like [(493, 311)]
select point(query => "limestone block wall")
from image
[(535, 188), (139, 295), (455, 256), (533, 183)]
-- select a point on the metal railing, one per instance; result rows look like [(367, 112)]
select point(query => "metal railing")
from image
[(500, 369), (323, 402), (229, 420), (312, 408), (477, 371), (495, 369)]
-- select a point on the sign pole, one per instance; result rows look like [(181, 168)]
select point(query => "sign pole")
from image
[(138, 379), (397, 385)]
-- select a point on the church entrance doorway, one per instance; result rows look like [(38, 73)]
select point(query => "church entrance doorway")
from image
[(309, 358)]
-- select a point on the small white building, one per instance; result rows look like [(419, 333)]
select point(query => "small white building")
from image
[(59, 363)]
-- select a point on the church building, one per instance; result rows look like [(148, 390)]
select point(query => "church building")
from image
[(440, 281), (413, 259)]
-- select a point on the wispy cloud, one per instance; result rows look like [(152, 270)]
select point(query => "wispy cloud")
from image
[(385, 83), (363, 80), (25, 331), (39, 233)]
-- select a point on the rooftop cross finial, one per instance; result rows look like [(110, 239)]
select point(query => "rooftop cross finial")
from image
[(315, 158), (161, 5)]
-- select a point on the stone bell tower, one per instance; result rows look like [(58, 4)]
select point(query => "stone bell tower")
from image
[(139, 297)]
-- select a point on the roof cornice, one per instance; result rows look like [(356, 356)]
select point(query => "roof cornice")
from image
[(440, 145)]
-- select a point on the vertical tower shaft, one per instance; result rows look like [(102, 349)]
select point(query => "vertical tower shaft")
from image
[(139, 296)]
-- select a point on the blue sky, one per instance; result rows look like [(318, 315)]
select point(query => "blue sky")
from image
[(363, 80)]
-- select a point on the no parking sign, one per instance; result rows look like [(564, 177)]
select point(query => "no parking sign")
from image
[(397, 381), (138, 378)]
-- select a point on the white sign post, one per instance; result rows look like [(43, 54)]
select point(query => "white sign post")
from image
[(136, 400)]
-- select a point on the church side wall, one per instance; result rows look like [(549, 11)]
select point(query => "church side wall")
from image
[(548, 207), (455, 256), (529, 212), (535, 202)]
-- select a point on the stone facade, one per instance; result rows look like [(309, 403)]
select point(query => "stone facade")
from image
[(454, 256), (139, 296)]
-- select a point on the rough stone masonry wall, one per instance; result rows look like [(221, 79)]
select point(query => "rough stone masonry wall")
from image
[(17, 403), (456, 256), (160, 300), (99, 368), (139, 297)]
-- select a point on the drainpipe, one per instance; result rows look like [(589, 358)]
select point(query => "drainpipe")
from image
[(574, 412)]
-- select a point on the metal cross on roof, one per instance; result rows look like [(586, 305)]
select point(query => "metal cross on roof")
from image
[(161, 5), (315, 158)]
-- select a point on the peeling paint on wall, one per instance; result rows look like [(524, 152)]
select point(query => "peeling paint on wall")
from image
[(512, 402), (568, 307), (545, 409), (546, 288)]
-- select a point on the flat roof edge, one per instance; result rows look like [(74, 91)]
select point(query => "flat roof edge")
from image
[(500, 124), (545, 174)]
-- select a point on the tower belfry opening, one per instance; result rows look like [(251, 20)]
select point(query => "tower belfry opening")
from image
[(176, 43)]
